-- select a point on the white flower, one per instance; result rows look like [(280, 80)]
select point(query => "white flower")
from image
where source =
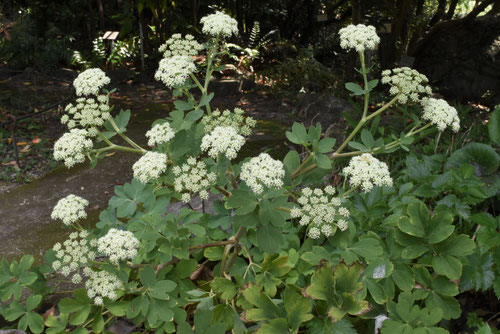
[(410, 83), (441, 114), (366, 171), (88, 114), (178, 46), (150, 166), (222, 140), (194, 178), (102, 284), (262, 171), (70, 209), (160, 134), (219, 24), (89, 82), (72, 146), (118, 245), (243, 125), (175, 70), (359, 37)]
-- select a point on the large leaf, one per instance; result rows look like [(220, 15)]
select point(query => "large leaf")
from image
[(483, 157), (494, 126)]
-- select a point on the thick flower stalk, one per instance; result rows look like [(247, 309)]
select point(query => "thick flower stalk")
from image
[(193, 178), (160, 134), (102, 284), (87, 113), (441, 114), (219, 24), (321, 211), (243, 125), (90, 81), (70, 209), (175, 70), (410, 84), (72, 146), (359, 37), (222, 140), (72, 255), (178, 46), (118, 245), (365, 171), (150, 166), (262, 171)]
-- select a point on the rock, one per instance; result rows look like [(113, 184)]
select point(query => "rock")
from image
[(121, 327), (12, 331)]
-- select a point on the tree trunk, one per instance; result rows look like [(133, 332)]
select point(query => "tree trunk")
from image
[(451, 10), (439, 13), (100, 8)]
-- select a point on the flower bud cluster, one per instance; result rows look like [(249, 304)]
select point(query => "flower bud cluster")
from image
[(118, 245), (174, 71), (178, 46), (236, 119), (70, 209), (359, 37), (366, 171), (262, 171), (72, 146), (219, 24), (87, 113), (102, 284), (410, 83), (73, 254), (150, 166), (222, 140), (193, 177), (160, 134), (90, 81), (321, 211), (441, 114)]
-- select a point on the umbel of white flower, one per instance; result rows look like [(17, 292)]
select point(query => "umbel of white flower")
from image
[(174, 71), (90, 81), (87, 113), (70, 209), (150, 166), (262, 171), (412, 85), (193, 177), (359, 37), (222, 140), (243, 125), (321, 212), (159, 134), (71, 147), (118, 245), (219, 24), (102, 284), (441, 114), (178, 46), (365, 171)]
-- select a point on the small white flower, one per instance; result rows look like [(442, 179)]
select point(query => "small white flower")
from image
[(441, 114), (222, 140), (118, 245), (219, 24), (72, 146), (102, 284), (262, 171), (150, 166), (193, 178), (89, 82), (69, 209), (366, 171), (175, 70), (410, 83), (178, 46), (359, 37), (243, 125), (159, 134)]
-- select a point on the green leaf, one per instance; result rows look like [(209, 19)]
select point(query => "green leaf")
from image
[(34, 321), (478, 274), (461, 245), (354, 88), (298, 134), (224, 288), (270, 238), (444, 286), (147, 276), (205, 99), (291, 161), (98, 323), (368, 248), (184, 268), (367, 138), (494, 126), (403, 276), (358, 146), (266, 309), (118, 308), (80, 316), (183, 105), (298, 308), (14, 311), (447, 265), (274, 326), (323, 161), (325, 145), (483, 157), (32, 302), (372, 84), (322, 285), (442, 228)]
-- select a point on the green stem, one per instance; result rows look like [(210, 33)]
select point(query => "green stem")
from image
[(227, 250), (127, 139), (305, 162), (196, 81), (365, 80), (223, 191)]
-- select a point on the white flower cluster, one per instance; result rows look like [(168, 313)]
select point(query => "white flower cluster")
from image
[(262, 171), (71, 147), (193, 177), (102, 284), (90, 81), (87, 113), (150, 166), (222, 140), (359, 37), (219, 24), (367, 172), (70, 209), (160, 134), (174, 71), (236, 119), (412, 85), (321, 211), (178, 46), (441, 114), (74, 253), (118, 245)]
